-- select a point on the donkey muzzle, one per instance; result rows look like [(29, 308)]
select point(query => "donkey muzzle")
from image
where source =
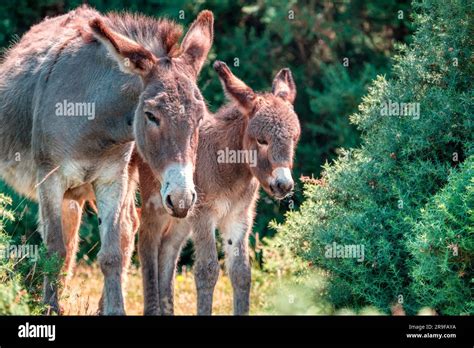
[(282, 184), (177, 189), (179, 203)]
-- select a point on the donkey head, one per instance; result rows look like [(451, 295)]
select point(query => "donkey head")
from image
[(170, 106), (272, 129)]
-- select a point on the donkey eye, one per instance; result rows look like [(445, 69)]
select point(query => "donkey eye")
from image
[(152, 118), (262, 142)]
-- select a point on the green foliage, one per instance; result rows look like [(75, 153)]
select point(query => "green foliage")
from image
[(442, 246), (13, 298), (21, 278), (374, 195)]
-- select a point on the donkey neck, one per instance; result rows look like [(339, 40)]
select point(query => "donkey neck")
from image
[(229, 121), (222, 142)]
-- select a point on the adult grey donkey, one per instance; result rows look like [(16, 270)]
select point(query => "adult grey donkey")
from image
[(76, 93)]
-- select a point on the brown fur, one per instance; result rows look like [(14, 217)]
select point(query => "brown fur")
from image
[(227, 194)]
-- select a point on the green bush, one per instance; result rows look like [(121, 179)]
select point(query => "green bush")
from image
[(443, 246), (21, 278), (373, 196), (13, 298)]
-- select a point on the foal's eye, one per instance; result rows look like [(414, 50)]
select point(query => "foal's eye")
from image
[(152, 118), (262, 142)]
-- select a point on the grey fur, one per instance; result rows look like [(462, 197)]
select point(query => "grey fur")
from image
[(51, 158)]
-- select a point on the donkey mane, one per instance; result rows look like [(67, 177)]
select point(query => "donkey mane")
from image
[(160, 36)]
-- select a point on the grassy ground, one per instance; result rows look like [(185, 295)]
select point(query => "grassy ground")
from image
[(83, 293)]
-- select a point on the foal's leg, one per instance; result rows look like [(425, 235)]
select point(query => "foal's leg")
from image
[(206, 266), (235, 233), (168, 256), (50, 197), (110, 193), (129, 227), (129, 221), (71, 222), (149, 239)]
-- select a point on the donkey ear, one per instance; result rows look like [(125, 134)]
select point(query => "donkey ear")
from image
[(131, 57), (284, 86), (198, 41), (234, 88)]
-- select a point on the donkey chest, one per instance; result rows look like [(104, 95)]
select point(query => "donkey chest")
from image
[(107, 167), (234, 201), (77, 173)]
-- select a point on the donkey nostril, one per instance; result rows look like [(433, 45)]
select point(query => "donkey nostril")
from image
[(194, 198), (284, 186), (280, 186), (169, 203)]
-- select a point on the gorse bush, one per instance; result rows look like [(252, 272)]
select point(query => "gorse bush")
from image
[(13, 297), (442, 246), (383, 196), (23, 264)]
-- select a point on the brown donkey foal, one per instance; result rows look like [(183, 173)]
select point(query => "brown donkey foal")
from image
[(128, 83), (260, 129)]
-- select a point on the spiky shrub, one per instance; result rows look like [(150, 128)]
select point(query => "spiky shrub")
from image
[(374, 196), (13, 298), (442, 246), (21, 275)]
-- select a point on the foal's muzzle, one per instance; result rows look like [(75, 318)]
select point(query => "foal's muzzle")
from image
[(282, 183)]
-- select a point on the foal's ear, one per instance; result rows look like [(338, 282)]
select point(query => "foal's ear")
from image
[(235, 88), (131, 57), (284, 86), (198, 41)]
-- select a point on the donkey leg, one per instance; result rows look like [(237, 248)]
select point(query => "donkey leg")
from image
[(110, 199), (50, 197), (235, 234), (71, 222), (168, 256), (129, 223), (149, 240), (129, 227), (206, 266)]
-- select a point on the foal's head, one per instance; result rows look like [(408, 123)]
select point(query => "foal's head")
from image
[(170, 106), (272, 129)]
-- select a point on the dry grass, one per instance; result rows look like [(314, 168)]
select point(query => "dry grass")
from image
[(83, 293)]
